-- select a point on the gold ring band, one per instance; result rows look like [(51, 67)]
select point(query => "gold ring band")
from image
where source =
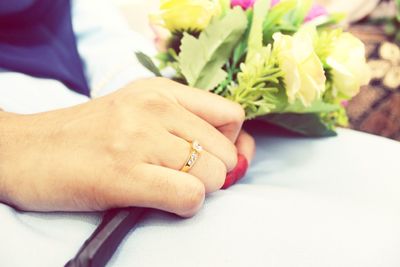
[(195, 151)]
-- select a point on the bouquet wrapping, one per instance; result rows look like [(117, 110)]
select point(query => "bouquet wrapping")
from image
[(287, 62)]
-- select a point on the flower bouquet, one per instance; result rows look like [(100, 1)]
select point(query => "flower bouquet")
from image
[(286, 62)]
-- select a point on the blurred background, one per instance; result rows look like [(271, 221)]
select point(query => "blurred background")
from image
[(376, 109)]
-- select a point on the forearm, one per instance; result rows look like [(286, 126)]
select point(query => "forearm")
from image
[(19, 135), (15, 135)]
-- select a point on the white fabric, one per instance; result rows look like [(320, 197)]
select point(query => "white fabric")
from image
[(305, 202)]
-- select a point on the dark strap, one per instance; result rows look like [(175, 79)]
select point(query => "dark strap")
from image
[(102, 244)]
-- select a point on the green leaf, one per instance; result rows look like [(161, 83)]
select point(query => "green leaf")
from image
[(398, 10), (225, 6), (258, 84), (201, 59), (300, 13), (318, 106), (148, 63), (306, 124), (239, 53), (333, 19), (275, 17), (255, 42)]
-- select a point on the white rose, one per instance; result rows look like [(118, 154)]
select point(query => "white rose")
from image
[(303, 71), (349, 67)]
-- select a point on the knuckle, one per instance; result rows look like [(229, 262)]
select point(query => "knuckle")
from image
[(121, 133), (156, 102), (119, 153), (118, 142), (191, 199)]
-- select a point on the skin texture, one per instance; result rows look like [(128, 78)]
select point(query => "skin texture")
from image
[(124, 149)]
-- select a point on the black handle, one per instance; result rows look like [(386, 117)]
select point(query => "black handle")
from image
[(102, 244)]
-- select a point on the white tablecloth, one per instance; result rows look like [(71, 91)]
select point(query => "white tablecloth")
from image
[(305, 202)]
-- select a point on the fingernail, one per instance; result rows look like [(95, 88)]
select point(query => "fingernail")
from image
[(237, 173)]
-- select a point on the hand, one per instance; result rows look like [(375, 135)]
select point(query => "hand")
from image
[(124, 149)]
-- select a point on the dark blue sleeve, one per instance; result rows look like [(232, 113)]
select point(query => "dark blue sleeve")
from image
[(37, 38)]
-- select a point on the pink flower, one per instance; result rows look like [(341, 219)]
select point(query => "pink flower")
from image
[(344, 103), (245, 4), (274, 2), (162, 37), (316, 11)]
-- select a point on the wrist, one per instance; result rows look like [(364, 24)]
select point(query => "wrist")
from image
[(8, 136)]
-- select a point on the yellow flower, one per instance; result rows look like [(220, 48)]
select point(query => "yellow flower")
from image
[(177, 15), (304, 75), (349, 67)]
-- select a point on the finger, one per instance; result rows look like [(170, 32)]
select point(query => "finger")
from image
[(160, 188), (175, 152), (221, 113), (246, 145), (188, 126), (237, 173)]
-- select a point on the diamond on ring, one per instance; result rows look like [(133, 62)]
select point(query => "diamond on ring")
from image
[(196, 146), (195, 151)]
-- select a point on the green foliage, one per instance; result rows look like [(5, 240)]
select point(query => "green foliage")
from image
[(297, 16), (201, 60), (341, 118), (260, 88), (311, 124), (258, 81), (277, 13), (170, 59), (319, 106), (324, 43), (258, 84), (225, 6), (255, 39), (234, 57), (232, 67), (148, 63), (286, 17), (332, 20)]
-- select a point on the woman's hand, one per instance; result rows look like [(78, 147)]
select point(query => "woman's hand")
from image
[(124, 149)]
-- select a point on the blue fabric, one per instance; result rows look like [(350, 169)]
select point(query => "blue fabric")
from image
[(36, 38)]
